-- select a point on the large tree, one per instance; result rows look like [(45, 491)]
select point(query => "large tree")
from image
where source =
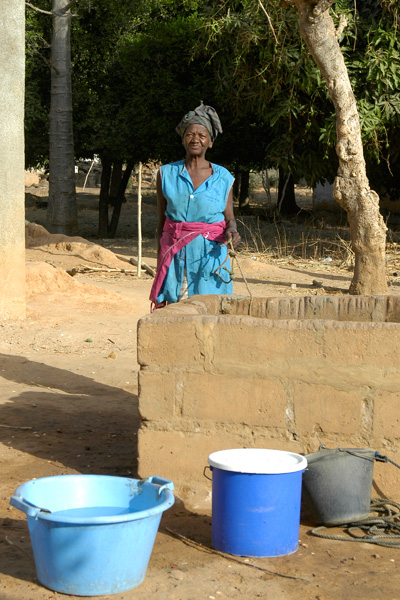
[(12, 222), (351, 187), (62, 215)]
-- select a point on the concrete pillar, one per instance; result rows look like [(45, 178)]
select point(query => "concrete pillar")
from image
[(12, 190)]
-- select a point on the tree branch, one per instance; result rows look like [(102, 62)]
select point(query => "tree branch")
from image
[(48, 63), (65, 8), (342, 25), (58, 13), (269, 20), (45, 42), (45, 12)]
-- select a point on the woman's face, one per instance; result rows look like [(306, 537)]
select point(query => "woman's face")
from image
[(196, 140)]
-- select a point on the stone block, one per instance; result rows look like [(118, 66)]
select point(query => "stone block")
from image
[(156, 395), (165, 342), (262, 440), (261, 342), (326, 409), (222, 398), (387, 415), (360, 343)]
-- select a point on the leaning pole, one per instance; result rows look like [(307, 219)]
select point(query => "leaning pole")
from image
[(12, 191)]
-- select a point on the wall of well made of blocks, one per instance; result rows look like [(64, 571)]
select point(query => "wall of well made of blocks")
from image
[(220, 372)]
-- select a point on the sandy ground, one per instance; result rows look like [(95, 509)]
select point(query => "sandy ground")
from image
[(68, 404)]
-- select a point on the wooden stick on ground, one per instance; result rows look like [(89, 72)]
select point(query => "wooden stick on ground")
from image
[(90, 269), (145, 267)]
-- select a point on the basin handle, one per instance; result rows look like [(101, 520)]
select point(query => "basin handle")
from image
[(27, 507), (163, 483)]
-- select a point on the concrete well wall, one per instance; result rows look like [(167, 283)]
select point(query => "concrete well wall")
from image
[(221, 372)]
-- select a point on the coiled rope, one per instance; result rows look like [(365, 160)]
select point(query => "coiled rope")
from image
[(381, 530)]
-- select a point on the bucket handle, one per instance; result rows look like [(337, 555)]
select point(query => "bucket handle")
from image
[(27, 507), (377, 456), (205, 472), (353, 452), (163, 483)]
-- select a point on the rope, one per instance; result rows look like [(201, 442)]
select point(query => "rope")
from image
[(386, 459), (233, 254), (382, 530)]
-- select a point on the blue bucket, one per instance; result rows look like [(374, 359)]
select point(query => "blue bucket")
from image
[(256, 498), (93, 534)]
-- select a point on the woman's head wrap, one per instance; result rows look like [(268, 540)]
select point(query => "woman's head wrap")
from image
[(202, 115)]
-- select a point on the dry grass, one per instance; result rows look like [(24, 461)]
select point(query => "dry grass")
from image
[(311, 235), (280, 239)]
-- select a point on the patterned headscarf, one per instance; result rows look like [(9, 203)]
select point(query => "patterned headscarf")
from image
[(202, 115)]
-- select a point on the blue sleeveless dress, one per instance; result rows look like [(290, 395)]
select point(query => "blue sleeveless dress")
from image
[(201, 257)]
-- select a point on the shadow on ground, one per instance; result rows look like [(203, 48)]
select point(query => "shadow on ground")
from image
[(63, 417)]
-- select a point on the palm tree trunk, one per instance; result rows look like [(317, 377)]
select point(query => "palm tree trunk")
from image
[(62, 216), (351, 187)]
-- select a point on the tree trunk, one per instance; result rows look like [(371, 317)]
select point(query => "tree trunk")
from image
[(244, 189), (116, 177), (236, 184), (12, 197), (104, 193), (120, 198), (351, 187), (286, 204), (62, 216)]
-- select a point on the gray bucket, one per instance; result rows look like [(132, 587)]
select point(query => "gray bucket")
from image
[(338, 483)]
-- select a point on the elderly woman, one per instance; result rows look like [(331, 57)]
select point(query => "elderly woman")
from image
[(195, 216)]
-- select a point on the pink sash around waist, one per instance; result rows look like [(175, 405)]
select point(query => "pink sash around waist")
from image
[(174, 237)]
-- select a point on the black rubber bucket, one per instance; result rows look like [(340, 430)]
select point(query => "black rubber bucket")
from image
[(338, 483)]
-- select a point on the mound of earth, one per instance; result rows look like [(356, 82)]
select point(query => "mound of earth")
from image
[(52, 259), (67, 251), (44, 278)]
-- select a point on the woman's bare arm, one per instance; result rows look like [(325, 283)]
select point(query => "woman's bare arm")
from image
[(231, 232), (161, 207)]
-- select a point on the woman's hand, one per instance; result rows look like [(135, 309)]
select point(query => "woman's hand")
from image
[(232, 234)]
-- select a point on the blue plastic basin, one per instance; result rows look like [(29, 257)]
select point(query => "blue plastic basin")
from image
[(93, 534)]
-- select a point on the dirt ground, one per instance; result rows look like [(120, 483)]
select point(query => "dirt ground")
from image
[(68, 404)]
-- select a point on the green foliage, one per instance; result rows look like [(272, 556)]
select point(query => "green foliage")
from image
[(133, 99), (269, 73), (138, 65), (371, 47)]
